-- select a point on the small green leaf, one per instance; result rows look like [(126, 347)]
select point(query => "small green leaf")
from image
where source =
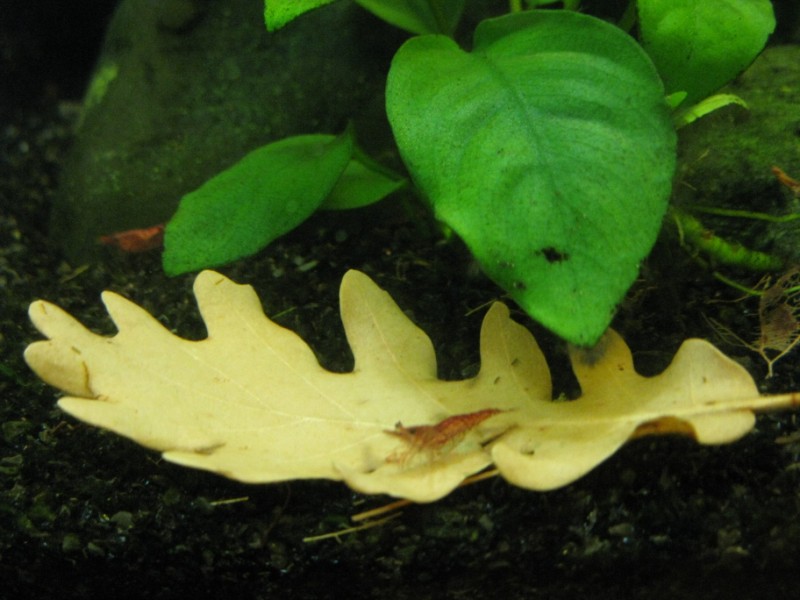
[(362, 183), (699, 46), (263, 196), (549, 149), (418, 16), (690, 114), (675, 99), (278, 13)]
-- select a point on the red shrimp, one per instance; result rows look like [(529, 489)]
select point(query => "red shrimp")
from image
[(135, 240), (433, 438)]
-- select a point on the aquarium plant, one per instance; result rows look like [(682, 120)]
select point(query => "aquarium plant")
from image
[(548, 146)]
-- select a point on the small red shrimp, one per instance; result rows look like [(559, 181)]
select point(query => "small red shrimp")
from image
[(433, 438), (135, 240)]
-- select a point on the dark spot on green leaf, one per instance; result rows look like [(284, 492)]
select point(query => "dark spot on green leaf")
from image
[(552, 255)]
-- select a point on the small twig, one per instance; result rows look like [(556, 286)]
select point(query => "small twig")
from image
[(348, 530), (381, 510), (229, 501)]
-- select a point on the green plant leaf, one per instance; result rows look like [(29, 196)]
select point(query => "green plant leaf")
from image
[(418, 16), (278, 13), (700, 46), (363, 182), (684, 116), (549, 149), (266, 194)]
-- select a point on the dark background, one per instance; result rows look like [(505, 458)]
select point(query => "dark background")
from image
[(48, 47)]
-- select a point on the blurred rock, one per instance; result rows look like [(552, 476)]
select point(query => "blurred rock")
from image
[(185, 88)]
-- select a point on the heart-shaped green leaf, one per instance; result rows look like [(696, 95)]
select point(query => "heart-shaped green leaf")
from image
[(549, 149), (263, 196), (700, 46)]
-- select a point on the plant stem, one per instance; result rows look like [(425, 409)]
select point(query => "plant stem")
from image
[(438, 16), (736, 285), (745, 214), (628, 18), (719, 249)]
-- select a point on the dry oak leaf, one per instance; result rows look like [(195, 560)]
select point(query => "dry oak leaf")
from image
[(251, 401)]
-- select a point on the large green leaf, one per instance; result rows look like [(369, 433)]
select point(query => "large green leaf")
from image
[(278, 13), (549, 149), (266, 194), (699, 46)]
